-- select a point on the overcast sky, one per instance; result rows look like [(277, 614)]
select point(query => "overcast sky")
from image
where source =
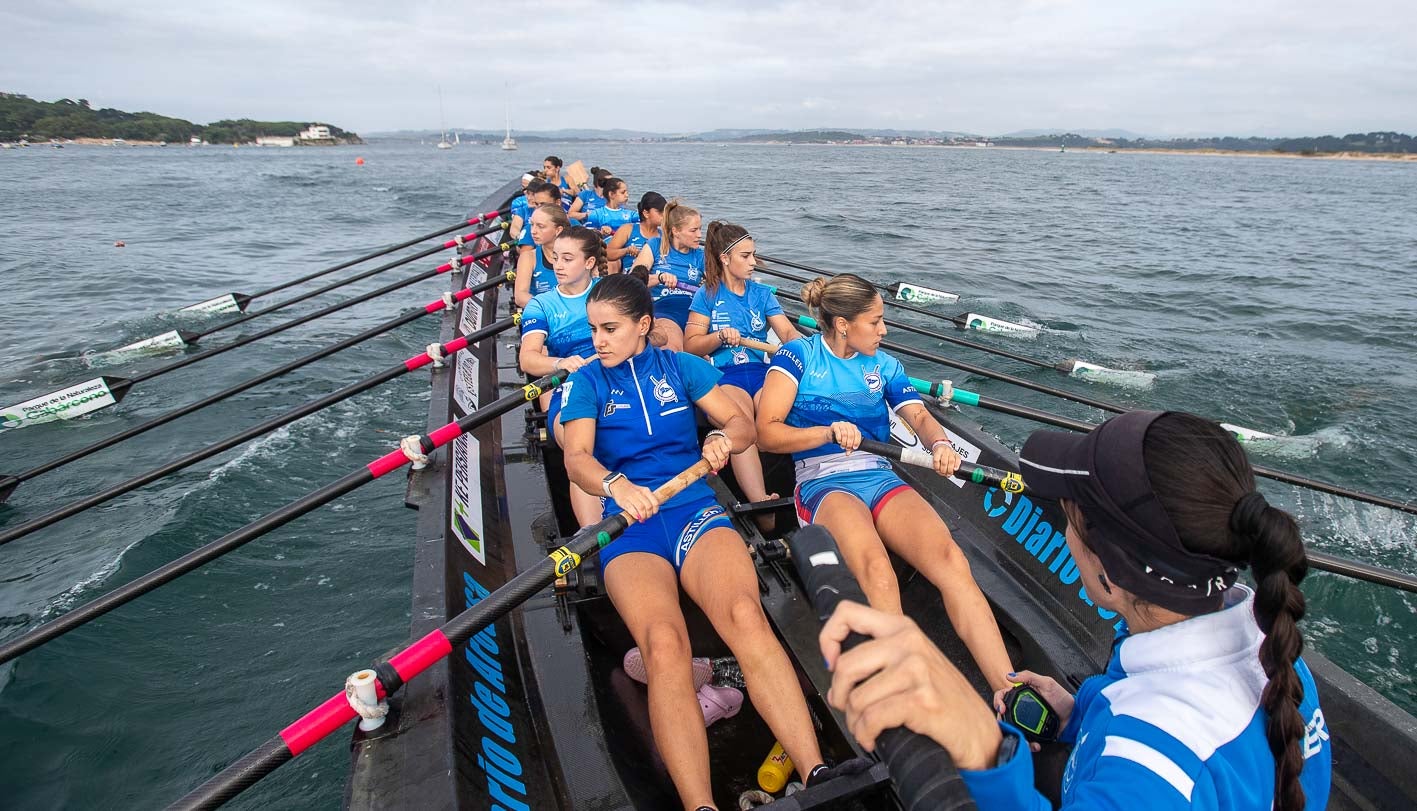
[(1244, 67)]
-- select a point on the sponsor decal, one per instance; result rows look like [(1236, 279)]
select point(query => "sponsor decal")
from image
[(466, 507), (611, 407), (465, 374), (220, 304), (1315, 733), (663, 392), (65, 404), (905, 436), (475, 275), (565, 561), (1022, 519), (167, 340), (498, 751), (470, 320)]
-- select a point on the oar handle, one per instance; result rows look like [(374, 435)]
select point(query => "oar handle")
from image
[(761, 346), (1005, 480), (676, 485)]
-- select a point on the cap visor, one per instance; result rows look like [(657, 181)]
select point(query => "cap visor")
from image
[(1054, 464)]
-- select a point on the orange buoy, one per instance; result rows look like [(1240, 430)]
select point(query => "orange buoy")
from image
[(119, 244), (358, 161)]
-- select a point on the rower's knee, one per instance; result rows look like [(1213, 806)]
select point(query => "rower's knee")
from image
[(878, 576), (745, 617), (666, 646)]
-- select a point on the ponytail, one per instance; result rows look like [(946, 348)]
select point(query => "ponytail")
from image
[(675, 213), (719, 237), (590, 246), (1205, 483)]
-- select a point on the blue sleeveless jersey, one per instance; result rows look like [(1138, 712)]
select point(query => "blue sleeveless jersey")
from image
[(543, 278), (748, 313), (861, 389), (686, 267), (562, 319), (590, 200), (644, 416), (635, 243), (613, 217)]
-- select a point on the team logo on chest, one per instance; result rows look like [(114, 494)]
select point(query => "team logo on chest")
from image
[(755, 321), (873, 380), (663, 392)]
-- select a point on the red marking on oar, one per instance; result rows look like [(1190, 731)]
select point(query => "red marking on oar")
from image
[(389, 461), (444, 435), (421, 655), (455, 345), (313, 726), (480, 217)]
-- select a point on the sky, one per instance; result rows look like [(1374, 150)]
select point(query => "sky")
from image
[(1155, 67)]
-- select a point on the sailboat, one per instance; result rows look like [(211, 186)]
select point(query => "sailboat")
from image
[(443, 143), (509, 143)]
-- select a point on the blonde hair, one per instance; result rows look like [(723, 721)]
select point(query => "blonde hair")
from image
[(845, 296), (675, 213), (557, 215)]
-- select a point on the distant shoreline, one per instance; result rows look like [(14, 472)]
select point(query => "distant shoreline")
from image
[(1354, 156)]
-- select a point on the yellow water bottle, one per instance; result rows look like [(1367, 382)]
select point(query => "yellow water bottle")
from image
[(775, 771)]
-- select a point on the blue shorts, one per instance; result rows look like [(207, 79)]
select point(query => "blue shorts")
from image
[(875, 488), (747, 376), (669, 533), (674, 307)]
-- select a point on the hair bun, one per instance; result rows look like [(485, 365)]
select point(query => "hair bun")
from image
[(812, 292)]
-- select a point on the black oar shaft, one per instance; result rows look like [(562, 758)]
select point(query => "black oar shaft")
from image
[(76, 507), (233, 540), (193, 338), (928, 333), (304, 319), (381, 252), (324, 352), (1362, 571), (236, 778)]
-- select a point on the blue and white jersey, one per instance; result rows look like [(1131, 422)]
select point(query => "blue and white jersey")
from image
[(1175, 723), (636, 243), (861, 389), (687, 267), (748, 313), (644, 416), (590, 200), (613, 217), (521, 208), (562, 319), (543, 276)]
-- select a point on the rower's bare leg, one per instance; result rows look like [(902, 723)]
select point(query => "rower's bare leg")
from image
[(646, 594), (670, 332), (718, 576), (849, 521), (748, 465), (915, 532), (588, 508)]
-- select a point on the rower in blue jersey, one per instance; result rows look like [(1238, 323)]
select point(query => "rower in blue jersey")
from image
[(674, 258), (535, 273), (551, 168), (821, 396), (590, 198), (538, 193), (629, 425), (607, 219), (556, 333), (630, 239), (729, 307)]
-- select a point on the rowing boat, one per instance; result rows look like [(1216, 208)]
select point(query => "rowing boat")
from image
[(535, 711)]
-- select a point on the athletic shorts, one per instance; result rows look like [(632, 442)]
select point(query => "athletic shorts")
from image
[(674, 307), (875, 488), (747, 376), (553, 410), (669, 533)]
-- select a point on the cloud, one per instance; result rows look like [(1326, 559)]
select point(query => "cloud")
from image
[(1263, 67)]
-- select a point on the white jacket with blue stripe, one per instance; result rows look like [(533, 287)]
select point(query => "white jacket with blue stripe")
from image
[(1174, 723)]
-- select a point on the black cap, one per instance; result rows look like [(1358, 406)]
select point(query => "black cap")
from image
[(1104, 473)]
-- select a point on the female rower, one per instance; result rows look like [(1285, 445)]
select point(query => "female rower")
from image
[(535, 274), (556, 334), (1206, 702), (630, 426), (590, 198), (728, 308), (629, 240), (674, 257), (551, 168), (522, 206), (832, 389), (607, 219)]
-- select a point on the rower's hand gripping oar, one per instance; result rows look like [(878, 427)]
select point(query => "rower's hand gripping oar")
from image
[(1005, 480), (390, 675), (924, 775), (236, 302)]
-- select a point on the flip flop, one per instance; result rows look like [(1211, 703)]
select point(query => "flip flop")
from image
[(634, 665), (719, 702)]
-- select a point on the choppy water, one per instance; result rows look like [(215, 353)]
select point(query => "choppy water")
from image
[(1276, 294)]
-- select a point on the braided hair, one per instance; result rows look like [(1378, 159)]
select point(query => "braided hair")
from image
[(590, 246)]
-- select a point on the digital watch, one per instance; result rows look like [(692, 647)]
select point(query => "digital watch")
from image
[(1026, 709)]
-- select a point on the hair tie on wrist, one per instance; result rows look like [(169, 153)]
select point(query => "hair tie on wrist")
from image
[(1246, 514)]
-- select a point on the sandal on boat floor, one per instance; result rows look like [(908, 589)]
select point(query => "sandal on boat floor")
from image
[(634, 665), (719, 703)]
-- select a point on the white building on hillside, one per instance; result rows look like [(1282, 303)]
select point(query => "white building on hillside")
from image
[(316, 132)]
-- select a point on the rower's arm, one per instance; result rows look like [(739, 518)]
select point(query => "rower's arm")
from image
[(918, 417), (533, 357), (782, 327), (619, 245), (726, 416), (526, 266), (576, 213), (578, 445), (646, 258), (697, 338), (774, 434)]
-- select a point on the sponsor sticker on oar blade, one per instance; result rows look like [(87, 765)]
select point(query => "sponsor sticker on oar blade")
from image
[(65, 404), (984, 323), (914, 292), (221, 304), (167, 340)]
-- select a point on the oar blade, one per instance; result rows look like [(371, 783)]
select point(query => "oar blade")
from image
[(984, 323), (1094, 373), (156, 345), (225, 303), (64, 404), (918, 294)]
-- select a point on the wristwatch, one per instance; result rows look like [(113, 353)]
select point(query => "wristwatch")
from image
[(609, 480)]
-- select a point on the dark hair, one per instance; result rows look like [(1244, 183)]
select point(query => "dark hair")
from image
[(610, 185), (640, 272), (541, 187), (651, 201), (553, 160), (720, 235), (845, 295), (590, 245), (627, 292), (598, 176)]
